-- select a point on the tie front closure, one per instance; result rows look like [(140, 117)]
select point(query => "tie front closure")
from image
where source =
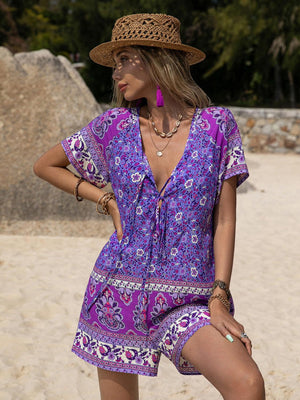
[(158, 226), (114, 271), (157, 245)]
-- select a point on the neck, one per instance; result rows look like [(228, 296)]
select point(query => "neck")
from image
[(165, 119), (169, 111)]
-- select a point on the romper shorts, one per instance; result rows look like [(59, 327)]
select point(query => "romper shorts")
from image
[(143, 358)]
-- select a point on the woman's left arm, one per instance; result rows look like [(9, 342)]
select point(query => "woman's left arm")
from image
[(224, 238)]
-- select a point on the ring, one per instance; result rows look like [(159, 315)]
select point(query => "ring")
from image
[(244, 336)]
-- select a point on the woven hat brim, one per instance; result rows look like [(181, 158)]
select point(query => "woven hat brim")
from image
[(103, 53)]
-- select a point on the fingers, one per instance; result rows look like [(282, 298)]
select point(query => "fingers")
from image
[(120, 236), (115, 214), (239, 336), (247, 342), (118, 227), (230, 336), (232, 330)]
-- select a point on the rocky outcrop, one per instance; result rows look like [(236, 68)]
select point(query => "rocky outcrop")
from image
[(43, 99), (269, 130)]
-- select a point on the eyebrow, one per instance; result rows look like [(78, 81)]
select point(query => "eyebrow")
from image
[(120, 52)]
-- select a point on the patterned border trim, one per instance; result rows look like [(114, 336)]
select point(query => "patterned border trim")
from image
[(175, 331), (169, 286), (120, 358), (81, 166), (111, 337)]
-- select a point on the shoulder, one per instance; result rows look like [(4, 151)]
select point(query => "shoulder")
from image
[(217, 114), (219, 119), (218, 122), (112, 121)]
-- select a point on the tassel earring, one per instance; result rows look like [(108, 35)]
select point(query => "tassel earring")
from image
[(159, 97)]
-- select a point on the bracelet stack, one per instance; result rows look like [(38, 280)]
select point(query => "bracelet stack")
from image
[(221, 285), (222, 299), (102, 203)]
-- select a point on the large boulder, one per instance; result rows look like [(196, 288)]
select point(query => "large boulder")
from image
[(43, 99)]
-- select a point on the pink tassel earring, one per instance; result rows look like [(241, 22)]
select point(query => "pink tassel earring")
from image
[(159, 97)]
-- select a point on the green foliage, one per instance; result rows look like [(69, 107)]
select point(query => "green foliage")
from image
[(41, 31), (254, 40), (252, 46)]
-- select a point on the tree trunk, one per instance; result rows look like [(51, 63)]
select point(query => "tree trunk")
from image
[(278, 94), (292, 89)]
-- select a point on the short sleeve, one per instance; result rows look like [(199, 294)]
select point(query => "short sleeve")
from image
[(232, 153), (86, 152)]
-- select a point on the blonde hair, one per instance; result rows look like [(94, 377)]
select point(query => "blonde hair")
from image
[(170, 70)]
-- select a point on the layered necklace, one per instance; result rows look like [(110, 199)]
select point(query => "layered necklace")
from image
[(163, 135)]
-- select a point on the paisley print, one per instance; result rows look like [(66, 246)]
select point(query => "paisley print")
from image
[(108, 311)]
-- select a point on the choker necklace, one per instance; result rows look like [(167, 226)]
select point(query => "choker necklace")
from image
[(163, 134)]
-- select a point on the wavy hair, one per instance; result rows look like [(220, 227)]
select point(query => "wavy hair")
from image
[(171, 71)]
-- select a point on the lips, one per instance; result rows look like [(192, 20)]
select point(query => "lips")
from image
[(122, 86)]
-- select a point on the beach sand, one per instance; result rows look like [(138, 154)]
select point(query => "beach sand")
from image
[(43, 278)]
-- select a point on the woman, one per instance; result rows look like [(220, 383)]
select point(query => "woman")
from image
[(161, 283)]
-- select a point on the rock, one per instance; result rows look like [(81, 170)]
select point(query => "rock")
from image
[(290, 142), (254, 144), (260, 122), (295, 131), (284, 128), (42, 100), (281, 150), (267, 130), (250, 123)]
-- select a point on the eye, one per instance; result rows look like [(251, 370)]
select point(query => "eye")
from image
[(123, 59)]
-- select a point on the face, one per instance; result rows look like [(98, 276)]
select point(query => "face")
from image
[(131, 75)]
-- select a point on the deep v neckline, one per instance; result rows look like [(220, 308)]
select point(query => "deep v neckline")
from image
[(146, 160)]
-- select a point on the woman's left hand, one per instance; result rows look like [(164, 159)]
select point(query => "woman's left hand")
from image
[(227, 325)]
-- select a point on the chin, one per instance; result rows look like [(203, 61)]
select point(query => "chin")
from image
[(129, 98)]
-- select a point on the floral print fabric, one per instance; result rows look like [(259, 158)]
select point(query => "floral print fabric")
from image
[(163, 268)]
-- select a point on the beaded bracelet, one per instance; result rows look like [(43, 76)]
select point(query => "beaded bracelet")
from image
[(221, 285), (103, 203), (80, 180), (222, 299)]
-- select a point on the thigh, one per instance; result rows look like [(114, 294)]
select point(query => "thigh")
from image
[(228, 366), (117, 385)]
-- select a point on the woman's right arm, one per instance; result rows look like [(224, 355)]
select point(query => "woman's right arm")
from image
[(52, 167)]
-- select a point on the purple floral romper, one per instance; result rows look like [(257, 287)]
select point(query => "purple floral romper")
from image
[(148, 294)]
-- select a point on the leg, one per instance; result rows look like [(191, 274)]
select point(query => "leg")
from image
[(118, 385), (226, 365)]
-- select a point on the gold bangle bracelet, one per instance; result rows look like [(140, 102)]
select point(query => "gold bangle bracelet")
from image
[(103, 203)]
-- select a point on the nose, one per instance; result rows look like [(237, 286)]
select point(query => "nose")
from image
[(116, 74)]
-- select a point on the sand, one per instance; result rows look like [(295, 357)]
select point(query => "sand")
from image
[(43, 278)]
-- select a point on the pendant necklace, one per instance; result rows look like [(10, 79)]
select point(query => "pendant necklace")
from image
[(163, 135), (159, 152)]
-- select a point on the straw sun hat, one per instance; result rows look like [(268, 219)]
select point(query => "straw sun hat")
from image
[(154, 30)]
